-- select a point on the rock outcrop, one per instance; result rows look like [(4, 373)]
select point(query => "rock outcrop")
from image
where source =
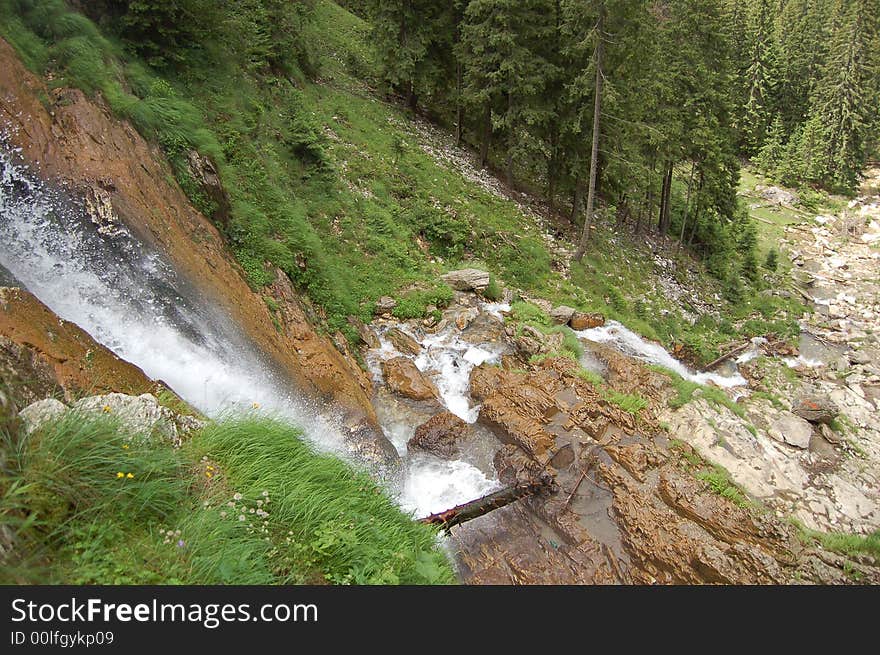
[(586, 321), (42, 355), (139, 417), (467, 279)]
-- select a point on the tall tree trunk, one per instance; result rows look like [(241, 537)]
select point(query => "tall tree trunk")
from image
[(576, 199), (687, 205), (665, 196), (486, 135), (459, 110), (622, 211), (511, 140), (594, 154)]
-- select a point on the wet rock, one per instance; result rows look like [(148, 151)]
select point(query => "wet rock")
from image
[(586, 321), (485, 379), (484, 329), (467, 279), (385, 304), (562, 314), (515, 411), (403, 377), (463, 319), (440, 435), (99, 208), (41, 354), (41, 412), (815, 408), (365, 332), (370, 445), (792, 430), (403, 342)]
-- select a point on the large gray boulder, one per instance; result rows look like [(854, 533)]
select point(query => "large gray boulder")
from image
[(562, 315), (792, 430), (467, 279), (41, 412), (815, 409)]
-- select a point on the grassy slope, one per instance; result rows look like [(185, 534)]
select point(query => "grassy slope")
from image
[(244, 502), (327, 181)]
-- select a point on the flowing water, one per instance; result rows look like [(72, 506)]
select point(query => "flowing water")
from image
[(629, 343), (130, 300)]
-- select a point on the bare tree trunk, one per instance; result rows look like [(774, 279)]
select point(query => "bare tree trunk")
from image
[(459, 110), (594, 154), (511, 139), (687, 206), (486, 135), (665, 195)]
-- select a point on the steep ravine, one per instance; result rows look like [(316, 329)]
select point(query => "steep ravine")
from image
[(94, 226), (116, 179)]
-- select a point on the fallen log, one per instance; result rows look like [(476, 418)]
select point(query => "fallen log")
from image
[(476, 508), (736, 351)]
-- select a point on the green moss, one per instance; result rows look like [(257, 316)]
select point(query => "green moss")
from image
[(685, 390)]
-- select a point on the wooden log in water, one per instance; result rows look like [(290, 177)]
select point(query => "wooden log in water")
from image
[(481, 506)]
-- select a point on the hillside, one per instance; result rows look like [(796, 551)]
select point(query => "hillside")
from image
[(297, 223)]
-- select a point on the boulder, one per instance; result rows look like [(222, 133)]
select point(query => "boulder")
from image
[(586, 321), (440, 435), (815, 409), (791, 430), (403, 377), (777, 196), (467, 279), (403, 342), (41, 412), (141, 415), (562, 315), (385, 304)]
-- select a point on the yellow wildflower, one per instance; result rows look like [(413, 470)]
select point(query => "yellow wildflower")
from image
[(120, 474), (106, 409), (208, 474), (129, 475)]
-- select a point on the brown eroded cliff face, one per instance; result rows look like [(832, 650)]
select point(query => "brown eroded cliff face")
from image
[(42, 355), (74, 139)]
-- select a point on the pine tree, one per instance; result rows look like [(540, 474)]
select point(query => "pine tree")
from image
[(772, 155), (759, 77)]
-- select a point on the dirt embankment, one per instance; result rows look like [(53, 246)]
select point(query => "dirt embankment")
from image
[(42, 355), (69, 138)]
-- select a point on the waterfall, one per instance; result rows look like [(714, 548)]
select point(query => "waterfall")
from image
[(128, 298)]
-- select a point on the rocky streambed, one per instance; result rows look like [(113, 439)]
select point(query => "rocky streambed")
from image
[(638, 500)]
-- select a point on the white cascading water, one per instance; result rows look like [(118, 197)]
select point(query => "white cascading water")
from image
[(131, 301), (630, 343), (447, 359)]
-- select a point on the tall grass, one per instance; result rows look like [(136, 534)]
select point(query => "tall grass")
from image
[(85, 501)]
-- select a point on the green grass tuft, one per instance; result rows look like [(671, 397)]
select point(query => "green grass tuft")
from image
[(244, 502)]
